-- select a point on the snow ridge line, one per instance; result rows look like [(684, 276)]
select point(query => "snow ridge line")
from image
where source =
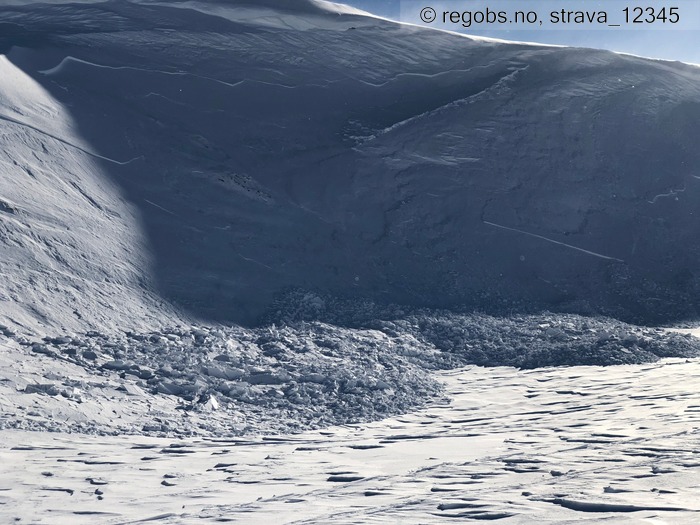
[(454, 103), (59, 67), (601, 256)]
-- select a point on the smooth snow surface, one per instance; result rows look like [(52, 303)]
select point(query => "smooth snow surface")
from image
[(284, 14), (569, 445)]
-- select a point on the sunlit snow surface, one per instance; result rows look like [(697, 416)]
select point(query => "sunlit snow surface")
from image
[(580, 444)]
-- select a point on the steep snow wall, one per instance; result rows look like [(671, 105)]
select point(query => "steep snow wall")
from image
[(348, 155)]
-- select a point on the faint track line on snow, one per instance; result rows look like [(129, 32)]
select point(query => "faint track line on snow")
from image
[(160, 207), (67, 143), (601, 256), (255, 262), (57, 69), (670, 193), (417, 75)]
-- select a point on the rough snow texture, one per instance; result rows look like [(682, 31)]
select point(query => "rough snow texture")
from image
[(235, 381), (212, 381), (212, 154)]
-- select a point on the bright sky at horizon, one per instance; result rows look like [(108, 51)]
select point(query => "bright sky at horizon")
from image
[(658, 42)]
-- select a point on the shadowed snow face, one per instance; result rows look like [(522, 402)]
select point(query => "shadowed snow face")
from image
[(358, 158)]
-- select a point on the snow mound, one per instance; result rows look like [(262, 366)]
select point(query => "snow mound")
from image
[(71, 245)]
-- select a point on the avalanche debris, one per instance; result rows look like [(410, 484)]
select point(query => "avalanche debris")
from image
[(309, 374)]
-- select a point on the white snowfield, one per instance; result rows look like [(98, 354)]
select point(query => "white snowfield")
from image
[(554, 445), (299, 15), (239, 238)]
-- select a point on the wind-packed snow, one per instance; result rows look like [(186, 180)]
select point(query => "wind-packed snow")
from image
[(553, 445)]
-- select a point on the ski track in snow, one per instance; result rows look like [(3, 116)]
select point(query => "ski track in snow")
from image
[(589, 444), (553, 241), (160, 207), (66, 142)]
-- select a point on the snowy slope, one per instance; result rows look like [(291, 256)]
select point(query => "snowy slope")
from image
[(214, 154), (71, 244), (171, 168)]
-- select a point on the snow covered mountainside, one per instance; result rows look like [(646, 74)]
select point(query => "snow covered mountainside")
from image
[(249, 249), (192, 160)]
